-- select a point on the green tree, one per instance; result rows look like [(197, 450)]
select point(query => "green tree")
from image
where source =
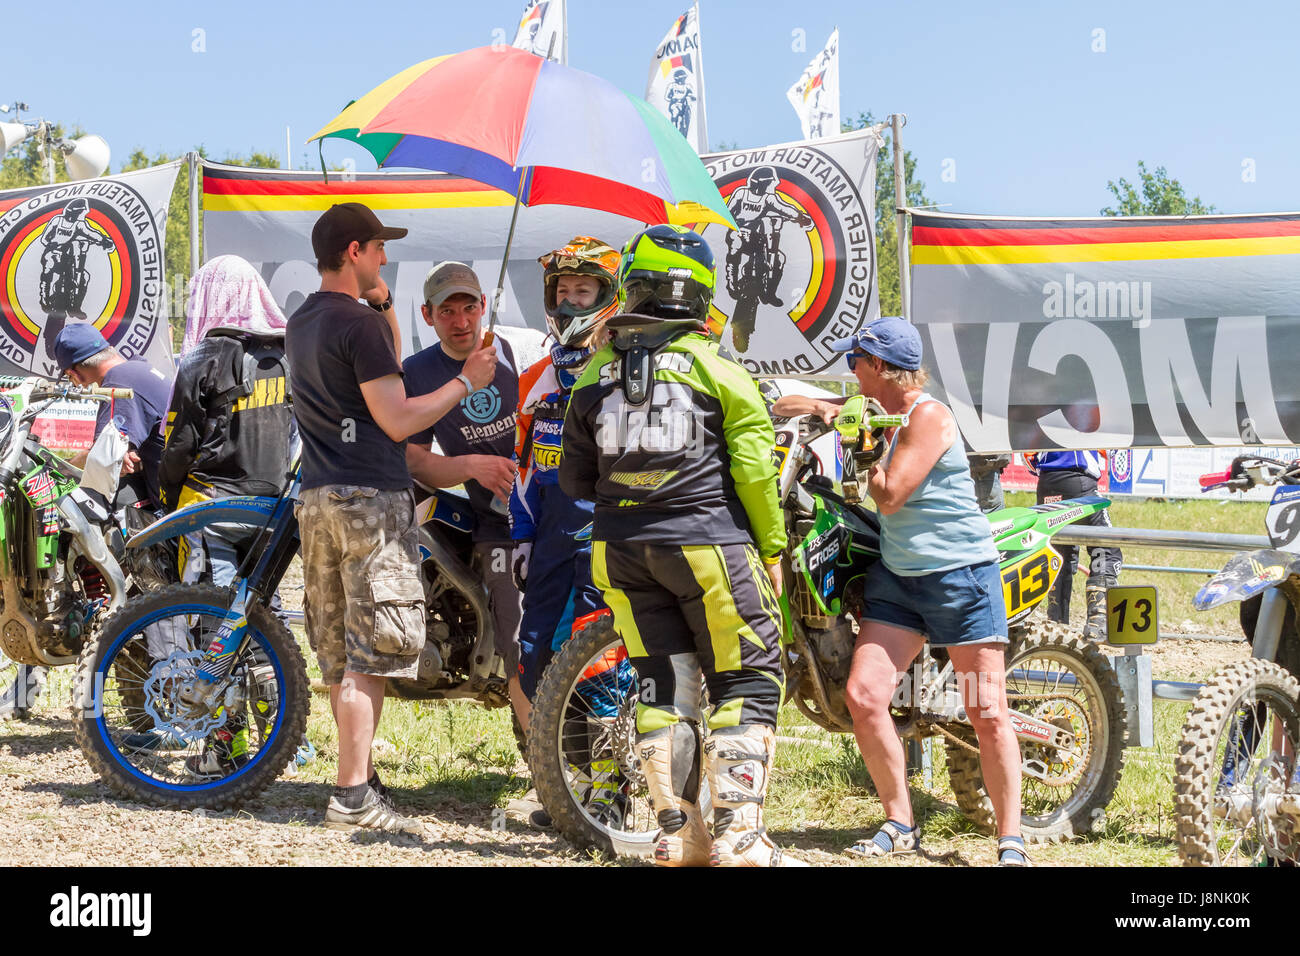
[(1161, 196), (887, 282)]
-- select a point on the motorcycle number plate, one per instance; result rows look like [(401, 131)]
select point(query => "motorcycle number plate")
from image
[(1132, 615), (1027, 581), (1283, 519)]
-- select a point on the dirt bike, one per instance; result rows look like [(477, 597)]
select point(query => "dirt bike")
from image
[(1236, 785), (754, 276), (61, 545), (237, 679), (1066, 702)]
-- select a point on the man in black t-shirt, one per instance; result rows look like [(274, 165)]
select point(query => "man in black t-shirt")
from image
[(477, 439), (364, 600)]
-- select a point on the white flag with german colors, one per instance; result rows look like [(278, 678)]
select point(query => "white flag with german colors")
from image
[(816, 94), (541, 29), (1115, 332), (676, 83)]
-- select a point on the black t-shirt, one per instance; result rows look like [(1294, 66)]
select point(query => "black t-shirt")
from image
[(483, 423), (138, 418), (333, 344)]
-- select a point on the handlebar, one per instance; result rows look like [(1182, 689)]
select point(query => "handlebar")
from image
[(1247, 471), (81, 392)]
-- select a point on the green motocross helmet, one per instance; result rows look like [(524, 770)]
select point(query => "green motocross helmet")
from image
[(667, 272)]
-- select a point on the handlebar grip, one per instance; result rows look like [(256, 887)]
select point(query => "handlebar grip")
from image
[(1215, 478), (110, 392)]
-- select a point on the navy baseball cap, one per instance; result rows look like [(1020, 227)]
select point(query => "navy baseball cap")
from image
[(77, 342), (889, 337)]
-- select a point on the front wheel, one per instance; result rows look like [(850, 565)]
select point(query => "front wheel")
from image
[(581, 745), (1053, 675), (1237, 754), (149, 745)]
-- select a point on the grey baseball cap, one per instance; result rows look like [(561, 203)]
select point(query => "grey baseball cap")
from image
[(447, 279)]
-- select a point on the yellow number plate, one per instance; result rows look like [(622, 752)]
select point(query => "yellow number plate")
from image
[(1132, 615), (1027, 582)]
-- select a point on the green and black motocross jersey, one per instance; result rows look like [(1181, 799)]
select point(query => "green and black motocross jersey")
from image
[(693, 465)]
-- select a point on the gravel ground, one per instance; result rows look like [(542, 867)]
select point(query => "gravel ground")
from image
[(58, 813)]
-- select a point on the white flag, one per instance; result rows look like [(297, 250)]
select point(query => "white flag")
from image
[(676, 84), (816, 95), (541, 29)]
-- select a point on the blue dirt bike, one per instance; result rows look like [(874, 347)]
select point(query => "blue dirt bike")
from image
[(211, 719)]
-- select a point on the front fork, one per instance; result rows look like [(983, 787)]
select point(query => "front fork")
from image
[(207, 689)]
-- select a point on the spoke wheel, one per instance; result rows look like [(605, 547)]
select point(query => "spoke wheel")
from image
[(581, 738), (1238, 748), (149, 745), (1053, 675)]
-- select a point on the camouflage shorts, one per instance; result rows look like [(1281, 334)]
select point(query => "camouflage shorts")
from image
[(363, 601)]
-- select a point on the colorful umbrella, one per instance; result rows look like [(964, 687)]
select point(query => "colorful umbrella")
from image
[(540, 131)]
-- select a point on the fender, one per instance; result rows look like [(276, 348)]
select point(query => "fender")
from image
[(1018, 530), (1245, 575), (249, 510)]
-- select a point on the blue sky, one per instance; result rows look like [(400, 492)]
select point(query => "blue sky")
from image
[(1032, 120)]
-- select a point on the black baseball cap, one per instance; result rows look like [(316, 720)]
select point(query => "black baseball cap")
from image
[(345, 223)]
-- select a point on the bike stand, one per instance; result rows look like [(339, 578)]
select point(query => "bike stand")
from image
[(1133, 668)]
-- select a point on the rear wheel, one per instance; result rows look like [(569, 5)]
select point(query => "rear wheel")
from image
[(1237, 755), (1054, 675), (149, 745)]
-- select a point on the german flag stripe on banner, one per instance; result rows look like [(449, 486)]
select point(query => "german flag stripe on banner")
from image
[(971, 241), (252, 191), (671, 63)]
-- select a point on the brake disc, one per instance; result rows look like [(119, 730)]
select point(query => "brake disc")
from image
[(163, 702)]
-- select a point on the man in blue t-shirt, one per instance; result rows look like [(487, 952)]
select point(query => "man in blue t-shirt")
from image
[(476, 439), (87, 359)]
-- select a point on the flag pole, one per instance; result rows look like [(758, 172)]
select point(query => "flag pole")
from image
[(699, 72), (500, 289), (564, 19), (897, 122)]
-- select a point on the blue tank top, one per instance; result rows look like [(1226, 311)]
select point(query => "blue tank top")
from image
[(940, 527)]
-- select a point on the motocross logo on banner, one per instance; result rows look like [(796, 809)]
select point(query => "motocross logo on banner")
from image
[(1112, 332), (822, 272), (89, 251), (800, 272), (541, 29), (676, 84), (815, 96)]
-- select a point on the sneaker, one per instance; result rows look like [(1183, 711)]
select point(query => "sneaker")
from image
[(210, 765), (529, 809), (373, 814), (152, 740)]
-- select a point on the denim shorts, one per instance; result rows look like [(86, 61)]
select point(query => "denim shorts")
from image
[(961, 606)]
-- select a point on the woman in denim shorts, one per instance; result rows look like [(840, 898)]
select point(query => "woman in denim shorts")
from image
[(937, 579)]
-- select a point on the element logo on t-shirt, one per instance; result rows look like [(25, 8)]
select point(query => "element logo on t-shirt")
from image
[(482, 406)]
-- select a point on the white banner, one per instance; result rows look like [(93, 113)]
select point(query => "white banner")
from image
[(541, 29), (89, 251), (816, 94), (676, 84), (798, 274)]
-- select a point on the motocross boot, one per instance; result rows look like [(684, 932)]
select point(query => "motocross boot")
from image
[(739, 762), (1058, 604), (670, 759), (1095, 629)]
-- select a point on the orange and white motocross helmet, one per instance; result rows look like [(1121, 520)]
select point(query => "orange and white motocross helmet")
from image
[(580, 256)]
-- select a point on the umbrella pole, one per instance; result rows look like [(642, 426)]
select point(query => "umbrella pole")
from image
[(505, 259)]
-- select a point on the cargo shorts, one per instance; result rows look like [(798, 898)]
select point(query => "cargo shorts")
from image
[(363, 597)]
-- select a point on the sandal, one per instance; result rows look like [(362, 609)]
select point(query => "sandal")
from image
[(891, 839), (1011, 852)]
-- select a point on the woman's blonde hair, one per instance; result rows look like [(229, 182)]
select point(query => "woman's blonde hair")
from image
[(905, 378)]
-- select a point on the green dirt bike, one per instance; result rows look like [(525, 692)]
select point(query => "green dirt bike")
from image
[(61, 546), (1236, 784), (1067, 706)]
